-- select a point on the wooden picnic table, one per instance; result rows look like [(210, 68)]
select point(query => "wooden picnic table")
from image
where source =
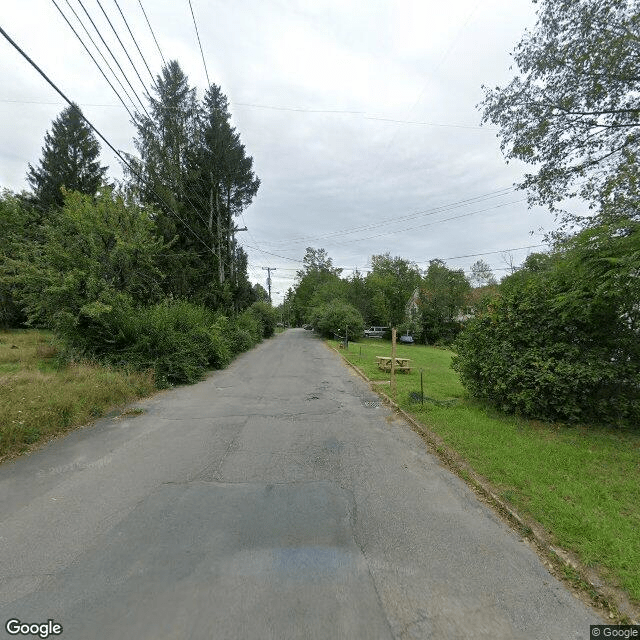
[(402, 364)]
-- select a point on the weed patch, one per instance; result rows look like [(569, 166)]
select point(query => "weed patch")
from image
[(40, 398)]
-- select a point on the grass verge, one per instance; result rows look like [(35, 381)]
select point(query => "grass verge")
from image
[(41, 397), (581, 483)]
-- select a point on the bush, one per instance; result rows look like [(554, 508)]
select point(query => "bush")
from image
[(96, 248), (244, 331), (336, 317), (562, 339), (266, 316), (180, 341)]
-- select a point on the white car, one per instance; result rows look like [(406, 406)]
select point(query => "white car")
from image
[(375, 332)]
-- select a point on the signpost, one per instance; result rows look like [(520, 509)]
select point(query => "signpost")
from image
[(393, 362)]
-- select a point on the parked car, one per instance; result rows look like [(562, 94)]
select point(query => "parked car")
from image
[(375, 332)]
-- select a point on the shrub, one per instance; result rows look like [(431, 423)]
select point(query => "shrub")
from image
[(177, 339), (336, 317), (562, 339), (95, 249), (267, 317), (244, 331)]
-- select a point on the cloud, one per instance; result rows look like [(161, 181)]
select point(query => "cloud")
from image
[(327, 97)]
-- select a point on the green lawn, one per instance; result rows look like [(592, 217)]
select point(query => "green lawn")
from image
[(40, 397), (581, 483)]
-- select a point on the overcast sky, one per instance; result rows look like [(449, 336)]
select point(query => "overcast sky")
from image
[(360, 116)]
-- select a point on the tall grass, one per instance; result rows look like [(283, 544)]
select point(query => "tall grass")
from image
[(41, 396)]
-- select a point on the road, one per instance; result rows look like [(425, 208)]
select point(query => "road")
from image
[(277, 499)]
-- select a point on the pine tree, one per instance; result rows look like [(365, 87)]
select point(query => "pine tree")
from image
[(194, 168), (225, 177), (69, 160)]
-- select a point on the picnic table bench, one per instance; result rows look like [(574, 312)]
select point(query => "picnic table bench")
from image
[(402, 364)]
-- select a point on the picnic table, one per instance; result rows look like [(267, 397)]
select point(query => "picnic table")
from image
[(402, 364)]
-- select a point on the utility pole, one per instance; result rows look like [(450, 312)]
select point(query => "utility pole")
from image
[(232, 249), (269, 270)]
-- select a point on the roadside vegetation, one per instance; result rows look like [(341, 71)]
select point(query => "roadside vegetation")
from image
[(42, 395), (581, 481), (131, 286)]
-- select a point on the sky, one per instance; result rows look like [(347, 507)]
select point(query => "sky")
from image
[(361, 117)]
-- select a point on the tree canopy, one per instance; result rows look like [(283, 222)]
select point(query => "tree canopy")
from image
[(97, 248), (391, 283), (572, 110), (443, 297)]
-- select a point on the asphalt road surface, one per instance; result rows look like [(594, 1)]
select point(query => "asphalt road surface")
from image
[(275, 500)]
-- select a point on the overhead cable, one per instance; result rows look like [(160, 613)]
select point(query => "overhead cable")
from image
[(94, 60), (429, 224), (164, 64), (199, 44), (403, 218), (113, 56), (135, 42), (122, 45)]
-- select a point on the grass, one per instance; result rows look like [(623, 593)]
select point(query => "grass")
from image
[(41, 397), (582, 483)]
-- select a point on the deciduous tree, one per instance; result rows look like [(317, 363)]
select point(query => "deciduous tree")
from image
[(392, 282), (481, 274), (572, 110), (442, 302)]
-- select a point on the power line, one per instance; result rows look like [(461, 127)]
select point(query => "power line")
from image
[(132, 117), (199, 44), (91, 56), (435, 69), (296, 109), (430, 224), (410, 216), (488, 253), (124, 75), (122, 45), (273, 254), (302, 110), (135, 42), (432, 124), (164, 64), (59, 92)]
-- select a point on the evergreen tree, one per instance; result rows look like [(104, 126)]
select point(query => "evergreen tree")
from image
[(222, 174), (193, 167), (69, 160)]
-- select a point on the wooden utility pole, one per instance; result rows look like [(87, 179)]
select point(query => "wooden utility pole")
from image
[(393, 362), (269, 270)]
